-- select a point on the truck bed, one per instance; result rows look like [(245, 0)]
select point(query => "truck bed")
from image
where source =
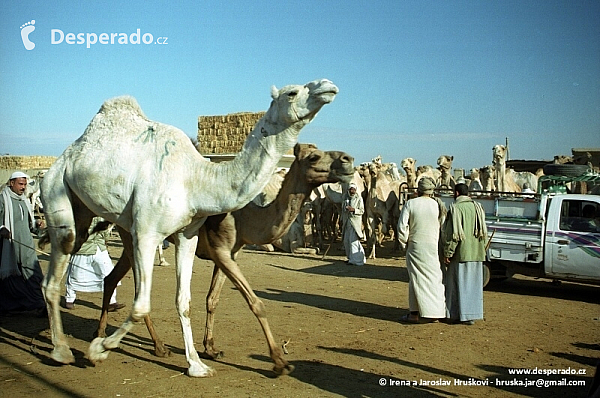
[(515, 226)]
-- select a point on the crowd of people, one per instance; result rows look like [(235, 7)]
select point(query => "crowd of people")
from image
[(445, 250)]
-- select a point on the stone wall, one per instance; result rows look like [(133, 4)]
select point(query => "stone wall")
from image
[(219, 135), (29, 165), (8, 162)]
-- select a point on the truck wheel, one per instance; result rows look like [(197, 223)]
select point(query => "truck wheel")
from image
[(487, 273), (568, 170)]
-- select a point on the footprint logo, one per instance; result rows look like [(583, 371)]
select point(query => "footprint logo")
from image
[(26, 29)]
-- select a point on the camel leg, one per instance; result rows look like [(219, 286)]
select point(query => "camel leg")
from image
[(184, 253), (143, 267), (212, 300), (65, 233), (159, 347), (110, 284), (372, 239), (51, 288), (233, 272)]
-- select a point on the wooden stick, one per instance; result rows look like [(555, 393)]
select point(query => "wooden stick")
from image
[(29, 247), (490, 241), (326, 251)]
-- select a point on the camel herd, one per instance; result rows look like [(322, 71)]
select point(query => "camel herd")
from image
[(384, 189)]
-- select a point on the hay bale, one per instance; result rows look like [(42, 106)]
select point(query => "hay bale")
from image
[(218, 135)]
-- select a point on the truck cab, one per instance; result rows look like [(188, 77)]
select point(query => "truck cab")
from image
[(553, 234), (572, 238)]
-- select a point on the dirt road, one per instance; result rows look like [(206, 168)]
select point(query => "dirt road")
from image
[(343, 337)]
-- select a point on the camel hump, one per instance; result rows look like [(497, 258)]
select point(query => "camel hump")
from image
[(124, 103)]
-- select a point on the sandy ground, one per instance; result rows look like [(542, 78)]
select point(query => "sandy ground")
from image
[(344, 338)]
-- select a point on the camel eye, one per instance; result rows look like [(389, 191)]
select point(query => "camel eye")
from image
[(292, 93)]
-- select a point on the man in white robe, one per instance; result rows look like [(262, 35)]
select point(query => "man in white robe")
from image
[(352, 210), (419, 231), (89, 266)]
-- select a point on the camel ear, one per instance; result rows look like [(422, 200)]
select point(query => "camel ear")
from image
[(297, 149), (451, 157), (274, 92)]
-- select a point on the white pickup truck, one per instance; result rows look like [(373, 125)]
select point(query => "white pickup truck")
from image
[(551, 235)]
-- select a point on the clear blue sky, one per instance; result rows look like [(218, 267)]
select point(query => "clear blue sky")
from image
[(417, 78)]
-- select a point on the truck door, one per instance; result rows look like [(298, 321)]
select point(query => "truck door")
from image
[(574, 240)]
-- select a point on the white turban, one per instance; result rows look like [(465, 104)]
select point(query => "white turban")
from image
[(18, 174)]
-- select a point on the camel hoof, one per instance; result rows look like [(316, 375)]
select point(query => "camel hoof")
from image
[(97, 352), (201, 370), (99, 333), (62, 354), (212, 355), (286, 370), (162, 351)]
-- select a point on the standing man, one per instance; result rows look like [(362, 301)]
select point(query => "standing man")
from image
[(419, 231), (352, 211), (464, 237), (20, 272)]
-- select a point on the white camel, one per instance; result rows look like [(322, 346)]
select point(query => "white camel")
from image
[(32, 191), (486, 175), (148, 179), (504, 181), (475, 183), (428, 171), (414, 174), (409, 167)]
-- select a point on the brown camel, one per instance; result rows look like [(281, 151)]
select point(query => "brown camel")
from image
[(222, 236)]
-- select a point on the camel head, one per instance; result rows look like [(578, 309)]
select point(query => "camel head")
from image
[(424, 169), (321, 167), (486, 171), (408, 164), (445, 162), (499, 154), (373, 169), (474, 173), (298, 105)]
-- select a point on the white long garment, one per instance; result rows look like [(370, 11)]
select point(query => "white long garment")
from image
[(86, 273), (419, 230)]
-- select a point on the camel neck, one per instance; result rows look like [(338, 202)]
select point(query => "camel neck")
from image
[(280, 213)]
